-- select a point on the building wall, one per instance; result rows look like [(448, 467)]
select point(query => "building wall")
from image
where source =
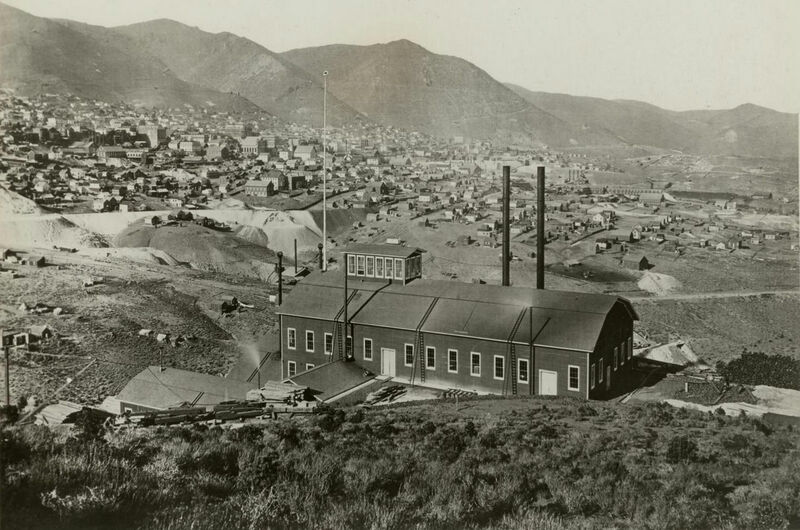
[(463, 379), (383, 338), (618, 329), (300, 355), (557, 360)]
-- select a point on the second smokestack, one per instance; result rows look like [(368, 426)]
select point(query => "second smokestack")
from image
[(540, 233), (506, 224)]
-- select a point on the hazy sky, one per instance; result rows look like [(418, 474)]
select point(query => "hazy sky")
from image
[(678, 54)]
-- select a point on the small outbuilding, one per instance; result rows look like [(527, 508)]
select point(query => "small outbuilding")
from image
[(637, 262)]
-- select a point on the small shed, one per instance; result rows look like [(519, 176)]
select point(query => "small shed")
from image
[(40, 332), (637, 262), (35, 261)]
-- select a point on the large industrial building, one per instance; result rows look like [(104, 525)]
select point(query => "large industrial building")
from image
[(446, 334)]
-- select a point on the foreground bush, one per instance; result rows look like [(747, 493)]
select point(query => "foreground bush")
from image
[(497, 464), (754, 368)]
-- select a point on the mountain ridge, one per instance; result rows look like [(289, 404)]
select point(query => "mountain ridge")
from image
[(746, 130), (163, 62), (44, 55)]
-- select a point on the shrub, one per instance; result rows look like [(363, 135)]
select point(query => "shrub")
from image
[(754, 368), (681, 449)]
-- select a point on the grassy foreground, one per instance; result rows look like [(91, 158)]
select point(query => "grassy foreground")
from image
[(493, 463)]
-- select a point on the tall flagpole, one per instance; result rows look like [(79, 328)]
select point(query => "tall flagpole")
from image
[(325, 171)]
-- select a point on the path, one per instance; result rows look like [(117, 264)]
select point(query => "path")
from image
[(719, 294)]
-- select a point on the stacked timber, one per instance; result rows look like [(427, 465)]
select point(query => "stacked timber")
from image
[(275, 392), (453, 393), (385, 394)]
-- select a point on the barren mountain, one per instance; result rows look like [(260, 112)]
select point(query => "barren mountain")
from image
[(226, 62), (747, 130), (42, 55), (403, 84)]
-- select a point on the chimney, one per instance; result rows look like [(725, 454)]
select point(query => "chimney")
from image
[(540, 232), (506, 224)]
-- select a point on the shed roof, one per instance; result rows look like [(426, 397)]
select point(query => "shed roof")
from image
[(479, 319), (171, 387), (322, 301), (331, 379), (393, 310), (395, 251)]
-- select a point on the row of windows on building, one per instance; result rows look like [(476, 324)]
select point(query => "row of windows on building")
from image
[(499, 361), (375, 267), (622, 354)]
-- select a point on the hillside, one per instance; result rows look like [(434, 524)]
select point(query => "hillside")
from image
[(12, 203), (487, 463), (42, 55), (203, 248), (403, 84), (229, 63), (747, 130)]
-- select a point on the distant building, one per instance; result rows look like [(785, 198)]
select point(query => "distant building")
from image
[(305, 152), (260, 188), (637, 262), (104, 152), (155, 135), (253, 145), (191, 147), (651, 198), (216, 151)]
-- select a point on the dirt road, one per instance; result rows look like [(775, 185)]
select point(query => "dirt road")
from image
[(710, 295)]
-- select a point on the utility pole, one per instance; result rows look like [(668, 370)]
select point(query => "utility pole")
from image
[(280, 278), (325, 171), (6, 354), (346, 351)]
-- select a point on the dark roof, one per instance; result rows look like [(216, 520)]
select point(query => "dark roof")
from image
[(331, 379), (322, 301), (560, 319), (170, 387), (571, 330), (395, 251), (520, 296), (394, 310), (483, 320)]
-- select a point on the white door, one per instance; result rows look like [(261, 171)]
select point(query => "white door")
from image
[(387, 362), (548, 383)]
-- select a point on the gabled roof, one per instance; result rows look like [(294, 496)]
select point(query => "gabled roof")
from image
[(162, 389), (571, 330)]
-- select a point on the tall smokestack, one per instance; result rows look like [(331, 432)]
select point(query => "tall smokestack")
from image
[(506, 224), (540, 233)]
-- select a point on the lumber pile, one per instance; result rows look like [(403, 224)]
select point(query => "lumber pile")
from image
[(275, 392), (453, 393), (385, 394)]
